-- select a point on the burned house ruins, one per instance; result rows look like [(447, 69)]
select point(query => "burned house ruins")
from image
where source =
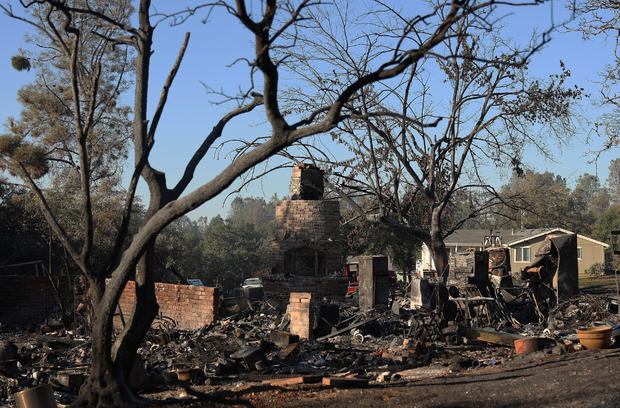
[(310, 329)]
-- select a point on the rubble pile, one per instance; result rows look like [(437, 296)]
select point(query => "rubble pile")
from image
[(313, 321), (253, 345), (584, 310), (51, 355)]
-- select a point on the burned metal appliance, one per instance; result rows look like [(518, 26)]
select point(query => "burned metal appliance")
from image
[(550, 277), (479, 275), (469, 267)]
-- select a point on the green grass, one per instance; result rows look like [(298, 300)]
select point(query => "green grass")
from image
[(599, 284)]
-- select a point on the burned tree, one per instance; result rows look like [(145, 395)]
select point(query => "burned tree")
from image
[(111, 361), (601, 18), (79, 146), (424, 143)]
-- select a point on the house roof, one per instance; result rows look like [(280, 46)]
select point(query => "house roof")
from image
[(475, 237), (561, 230)]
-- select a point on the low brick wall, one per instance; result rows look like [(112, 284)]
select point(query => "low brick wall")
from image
[(190, 307), (25, 300)]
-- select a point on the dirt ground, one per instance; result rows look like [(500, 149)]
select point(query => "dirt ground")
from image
[(582, 379)]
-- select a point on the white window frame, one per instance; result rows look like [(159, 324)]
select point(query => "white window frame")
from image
[(520, 250), (579, 253)]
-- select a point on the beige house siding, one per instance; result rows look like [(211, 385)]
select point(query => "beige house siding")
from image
[(533, 244), (591, 253)]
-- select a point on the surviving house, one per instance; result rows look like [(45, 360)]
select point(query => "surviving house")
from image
[(523, 245)]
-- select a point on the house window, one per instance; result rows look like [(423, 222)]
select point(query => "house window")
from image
[(522, 254), (578, 253)]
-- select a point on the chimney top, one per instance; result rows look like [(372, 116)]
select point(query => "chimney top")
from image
[(307, 182)]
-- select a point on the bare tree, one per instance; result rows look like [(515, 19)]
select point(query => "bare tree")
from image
[(427, 140), (601, 18), (111, 360)]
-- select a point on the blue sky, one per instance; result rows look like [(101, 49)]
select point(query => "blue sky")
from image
[(189, 114)]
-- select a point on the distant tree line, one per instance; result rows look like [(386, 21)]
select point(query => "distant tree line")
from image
[(219, 251), (542, 200), (225, 251)]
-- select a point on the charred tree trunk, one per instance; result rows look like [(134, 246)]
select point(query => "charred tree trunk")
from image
[(106, 385), (438, 247), (108, 382), (145, 311)]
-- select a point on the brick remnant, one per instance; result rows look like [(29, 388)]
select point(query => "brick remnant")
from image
[(190, 307)]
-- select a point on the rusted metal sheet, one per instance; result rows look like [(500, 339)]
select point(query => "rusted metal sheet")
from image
[(555, 264), (499, 261)]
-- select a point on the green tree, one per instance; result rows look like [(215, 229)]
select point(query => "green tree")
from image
[(588, 202), (255, 211), (371, 238), (543, 200), (608, 221), (73, 130), (613, 180), (240, 246), (536, 200), (177, 249), (24, 235), (234, 251), (47, 121)]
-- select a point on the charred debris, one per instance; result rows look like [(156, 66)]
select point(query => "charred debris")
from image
[(430, 329)]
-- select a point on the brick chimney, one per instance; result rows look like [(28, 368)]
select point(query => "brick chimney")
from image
[(307, 182)]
